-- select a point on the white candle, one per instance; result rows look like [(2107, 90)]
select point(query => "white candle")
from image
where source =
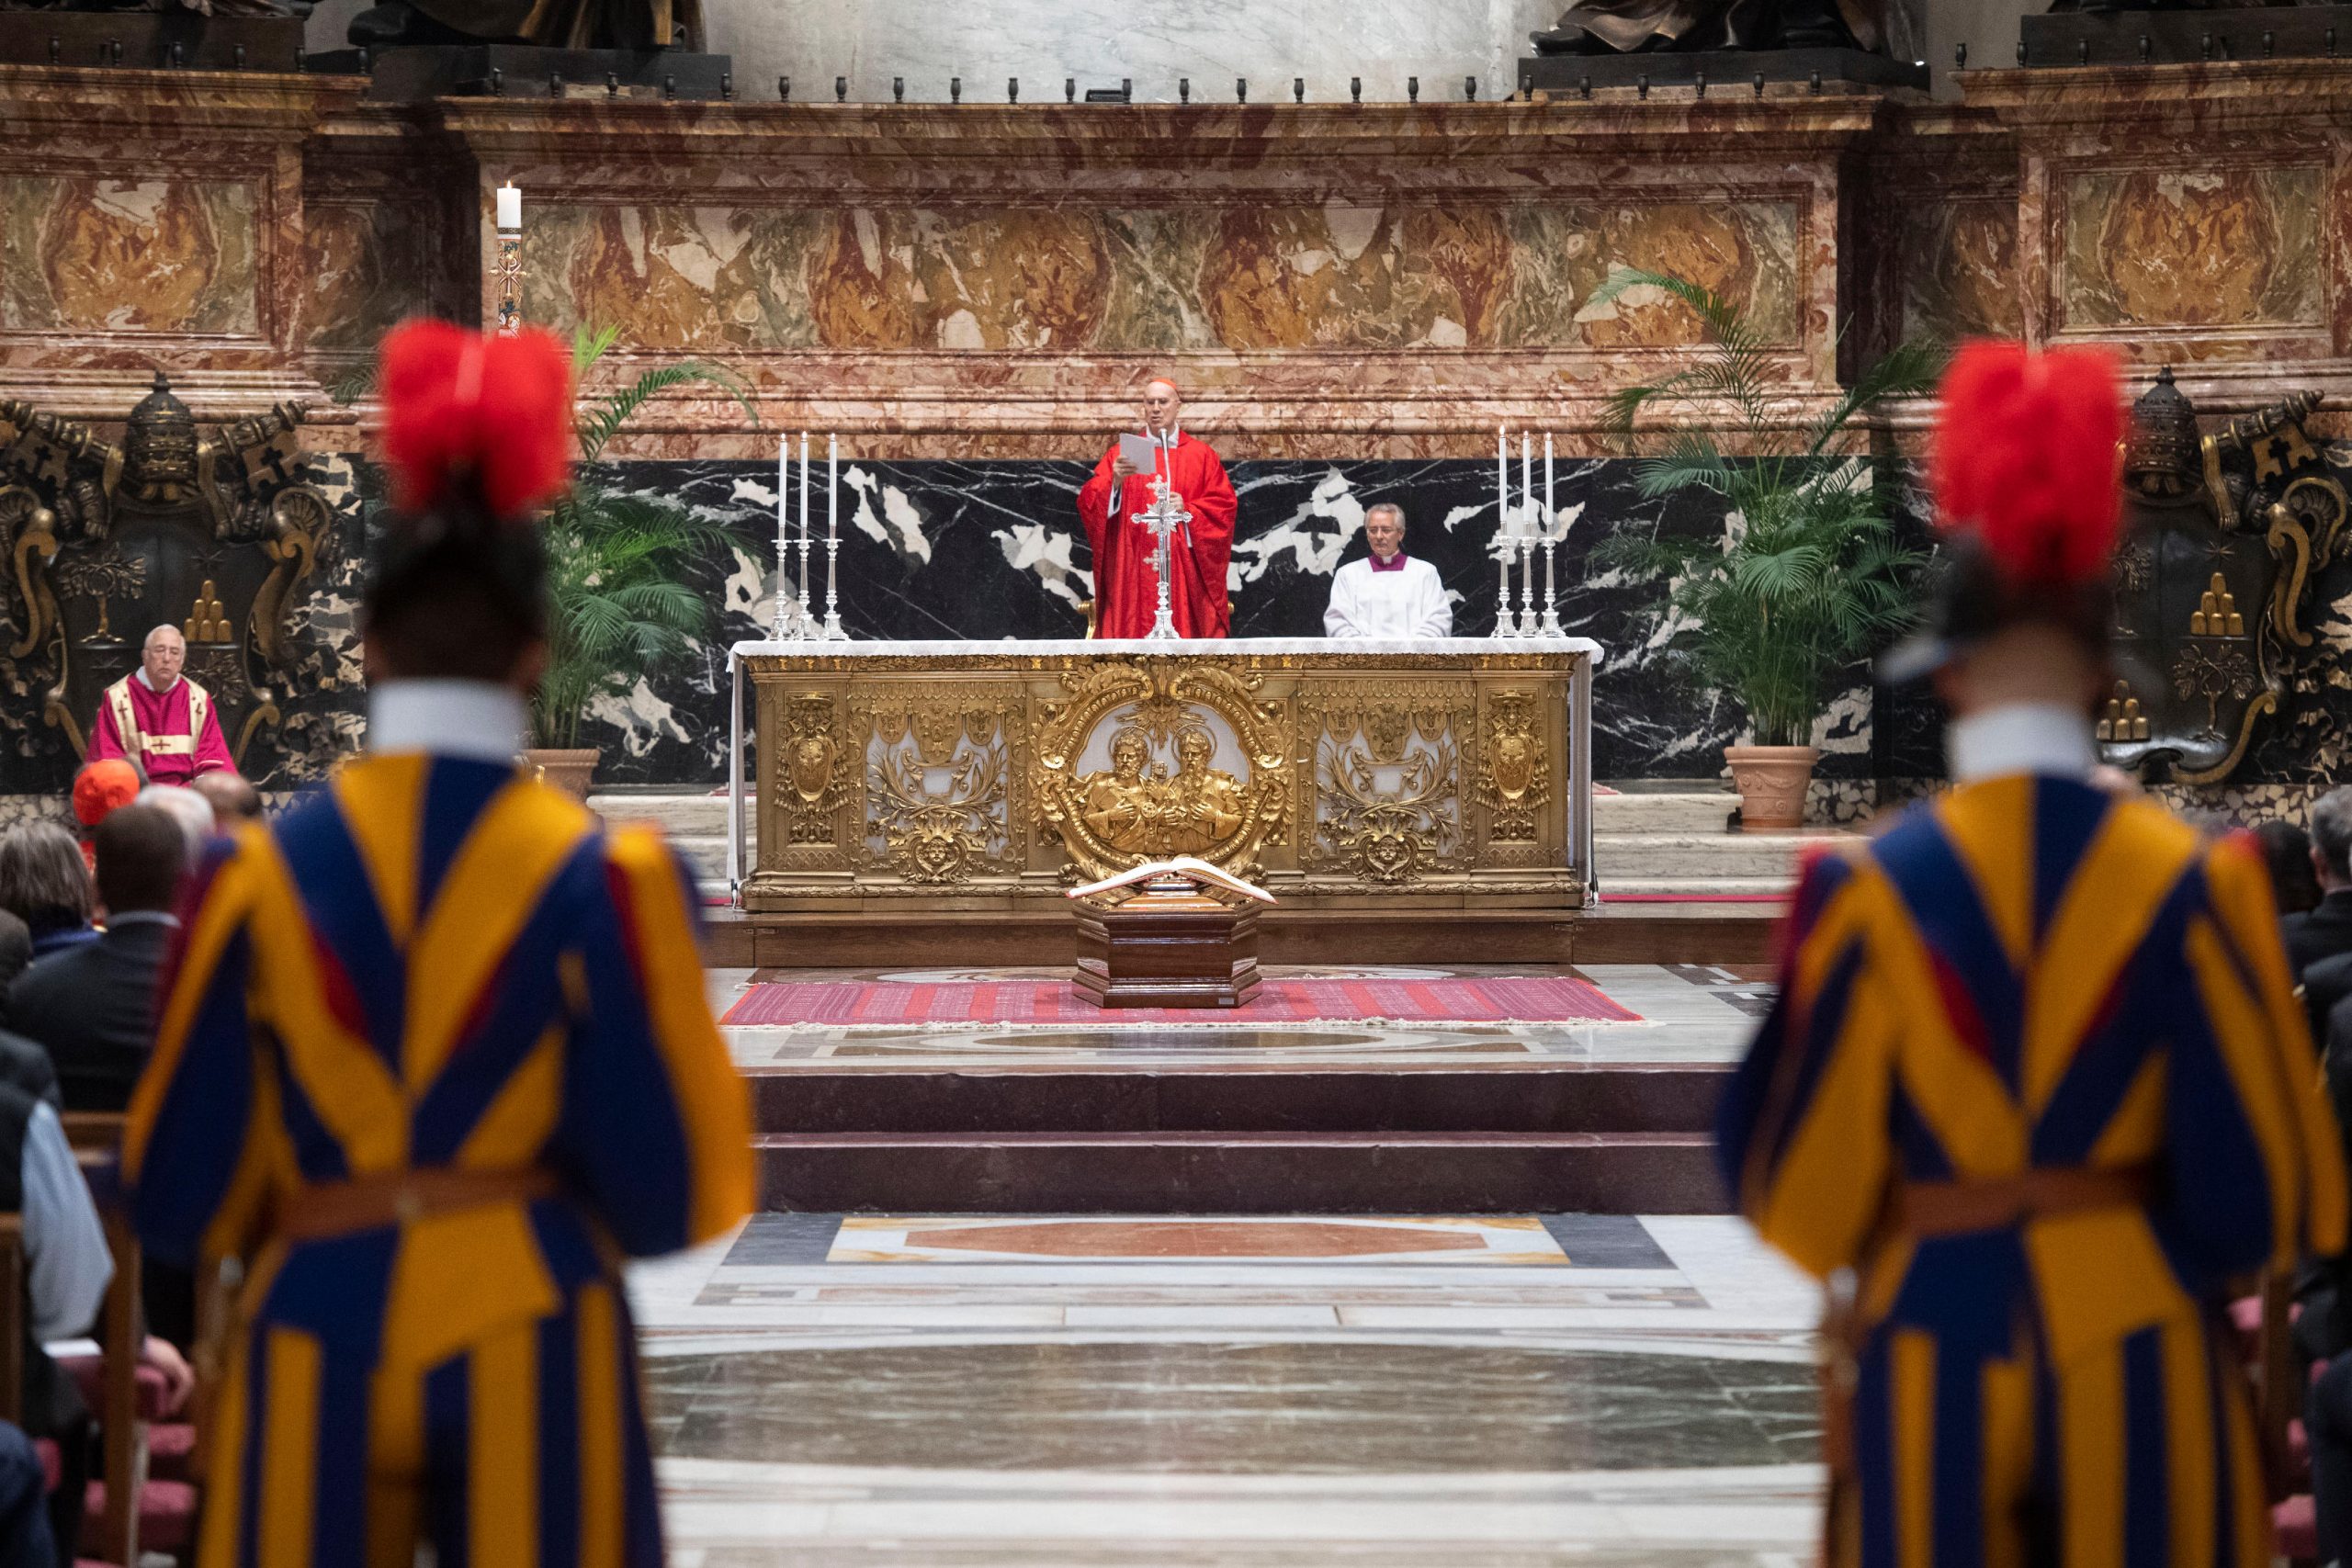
[(1526, 480), (832, 490), (805, 595), (509, 206), (1502, 480), (1549, 513), (783, 525)]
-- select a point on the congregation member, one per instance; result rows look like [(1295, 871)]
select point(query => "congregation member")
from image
[(439, 1355), (2035, 1071), (187, 809), (160, 719), (2325, 930), (45, 881), (100, 788), (67, 1268), (1387, 594), (232, 797), (25, 1541), (1126, 578), (91, 1007), (2286, 851)]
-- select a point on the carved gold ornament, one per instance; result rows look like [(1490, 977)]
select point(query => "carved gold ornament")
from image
[(1163, 792), (939, 783), (814, 787), (1517, 781), (1389, 804)]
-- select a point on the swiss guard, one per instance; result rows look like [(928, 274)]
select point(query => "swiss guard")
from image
[(2036, 1073), (434, 1059)]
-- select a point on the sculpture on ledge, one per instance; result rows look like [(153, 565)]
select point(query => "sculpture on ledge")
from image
[(1629, 26), (553, 24)]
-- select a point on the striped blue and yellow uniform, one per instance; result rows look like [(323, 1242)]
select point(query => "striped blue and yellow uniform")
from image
[(2029, 977), (436, 965)]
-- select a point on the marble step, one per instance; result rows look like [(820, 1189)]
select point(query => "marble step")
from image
[(977, 1102), (1758, 887), (1238, 1173)]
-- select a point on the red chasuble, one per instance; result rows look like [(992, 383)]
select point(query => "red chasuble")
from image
[(167, 742), (1126, 588)]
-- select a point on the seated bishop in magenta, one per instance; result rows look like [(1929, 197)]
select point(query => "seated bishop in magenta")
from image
[(158, 718)]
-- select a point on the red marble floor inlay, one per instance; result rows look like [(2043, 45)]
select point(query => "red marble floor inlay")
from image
[(1195, 1238)]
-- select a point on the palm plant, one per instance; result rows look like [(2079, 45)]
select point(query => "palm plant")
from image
[(619, 606), (1809, 573)]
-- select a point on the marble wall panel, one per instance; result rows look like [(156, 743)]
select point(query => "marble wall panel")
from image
[(1958, 264), (367, 266), (1044, 278), (162, 254), (993, 550), (2197, 248)]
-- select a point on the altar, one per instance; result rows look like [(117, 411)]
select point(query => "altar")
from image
[(905, 778)]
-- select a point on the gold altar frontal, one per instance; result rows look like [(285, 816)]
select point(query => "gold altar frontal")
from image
[(897, 779)]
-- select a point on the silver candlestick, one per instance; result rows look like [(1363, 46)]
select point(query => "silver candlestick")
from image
[(1506, 623), (1551, 593), (1163, 517), (1528, 622), (833, 632)]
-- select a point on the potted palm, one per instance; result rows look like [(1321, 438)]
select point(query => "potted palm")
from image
[(620, 607), (1809, 573)]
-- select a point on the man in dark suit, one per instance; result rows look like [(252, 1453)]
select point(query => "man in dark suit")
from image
[(93, 1006), (2327, 931)]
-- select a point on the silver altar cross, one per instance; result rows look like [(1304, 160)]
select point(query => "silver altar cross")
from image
[(1163, 517)]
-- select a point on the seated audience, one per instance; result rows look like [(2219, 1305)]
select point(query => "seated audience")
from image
[(92, 1006), (25, 1540), (67, 1268), (190, 810), (16, 951), (2287, 849), (232, 797), (45, 883), (99, 789), (2325, 930)]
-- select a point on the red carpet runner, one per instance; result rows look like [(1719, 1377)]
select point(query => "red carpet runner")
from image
[(1504, 999)]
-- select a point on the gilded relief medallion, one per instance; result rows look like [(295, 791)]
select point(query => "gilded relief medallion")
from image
[(1142, 763)]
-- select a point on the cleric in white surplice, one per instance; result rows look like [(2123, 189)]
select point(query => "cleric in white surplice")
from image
[(1388, 595)]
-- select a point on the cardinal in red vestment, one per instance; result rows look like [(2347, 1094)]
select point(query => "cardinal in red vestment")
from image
[(159, 719), (1126, 584)]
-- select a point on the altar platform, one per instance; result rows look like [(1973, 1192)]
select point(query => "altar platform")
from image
[(1396, 797)]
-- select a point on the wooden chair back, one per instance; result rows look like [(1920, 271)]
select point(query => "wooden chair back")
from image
[(97, 1139)]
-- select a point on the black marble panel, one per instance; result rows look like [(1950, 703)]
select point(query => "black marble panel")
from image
[(1314, 1408), (991, 550)]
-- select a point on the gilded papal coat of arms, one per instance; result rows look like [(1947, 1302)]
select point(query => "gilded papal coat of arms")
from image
[(105, 541), (2225, 535)]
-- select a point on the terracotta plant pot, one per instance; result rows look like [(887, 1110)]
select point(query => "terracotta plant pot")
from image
[(1771, 781), (569, 771)]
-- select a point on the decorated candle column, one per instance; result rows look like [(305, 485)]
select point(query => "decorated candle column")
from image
[(509, 267)]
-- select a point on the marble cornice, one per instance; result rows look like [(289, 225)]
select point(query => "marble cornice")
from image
[(168, 106), (1199, 137), (2193, 99)]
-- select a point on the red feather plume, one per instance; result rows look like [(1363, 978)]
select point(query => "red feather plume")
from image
[(467, 410), (2026, 457)]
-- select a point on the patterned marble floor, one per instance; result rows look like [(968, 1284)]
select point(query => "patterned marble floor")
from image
[(1272, 1390), (1689, 1013)]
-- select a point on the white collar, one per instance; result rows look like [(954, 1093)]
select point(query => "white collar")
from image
[(1169, 438), (477, 719), (159, 691), (2020, 737)]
